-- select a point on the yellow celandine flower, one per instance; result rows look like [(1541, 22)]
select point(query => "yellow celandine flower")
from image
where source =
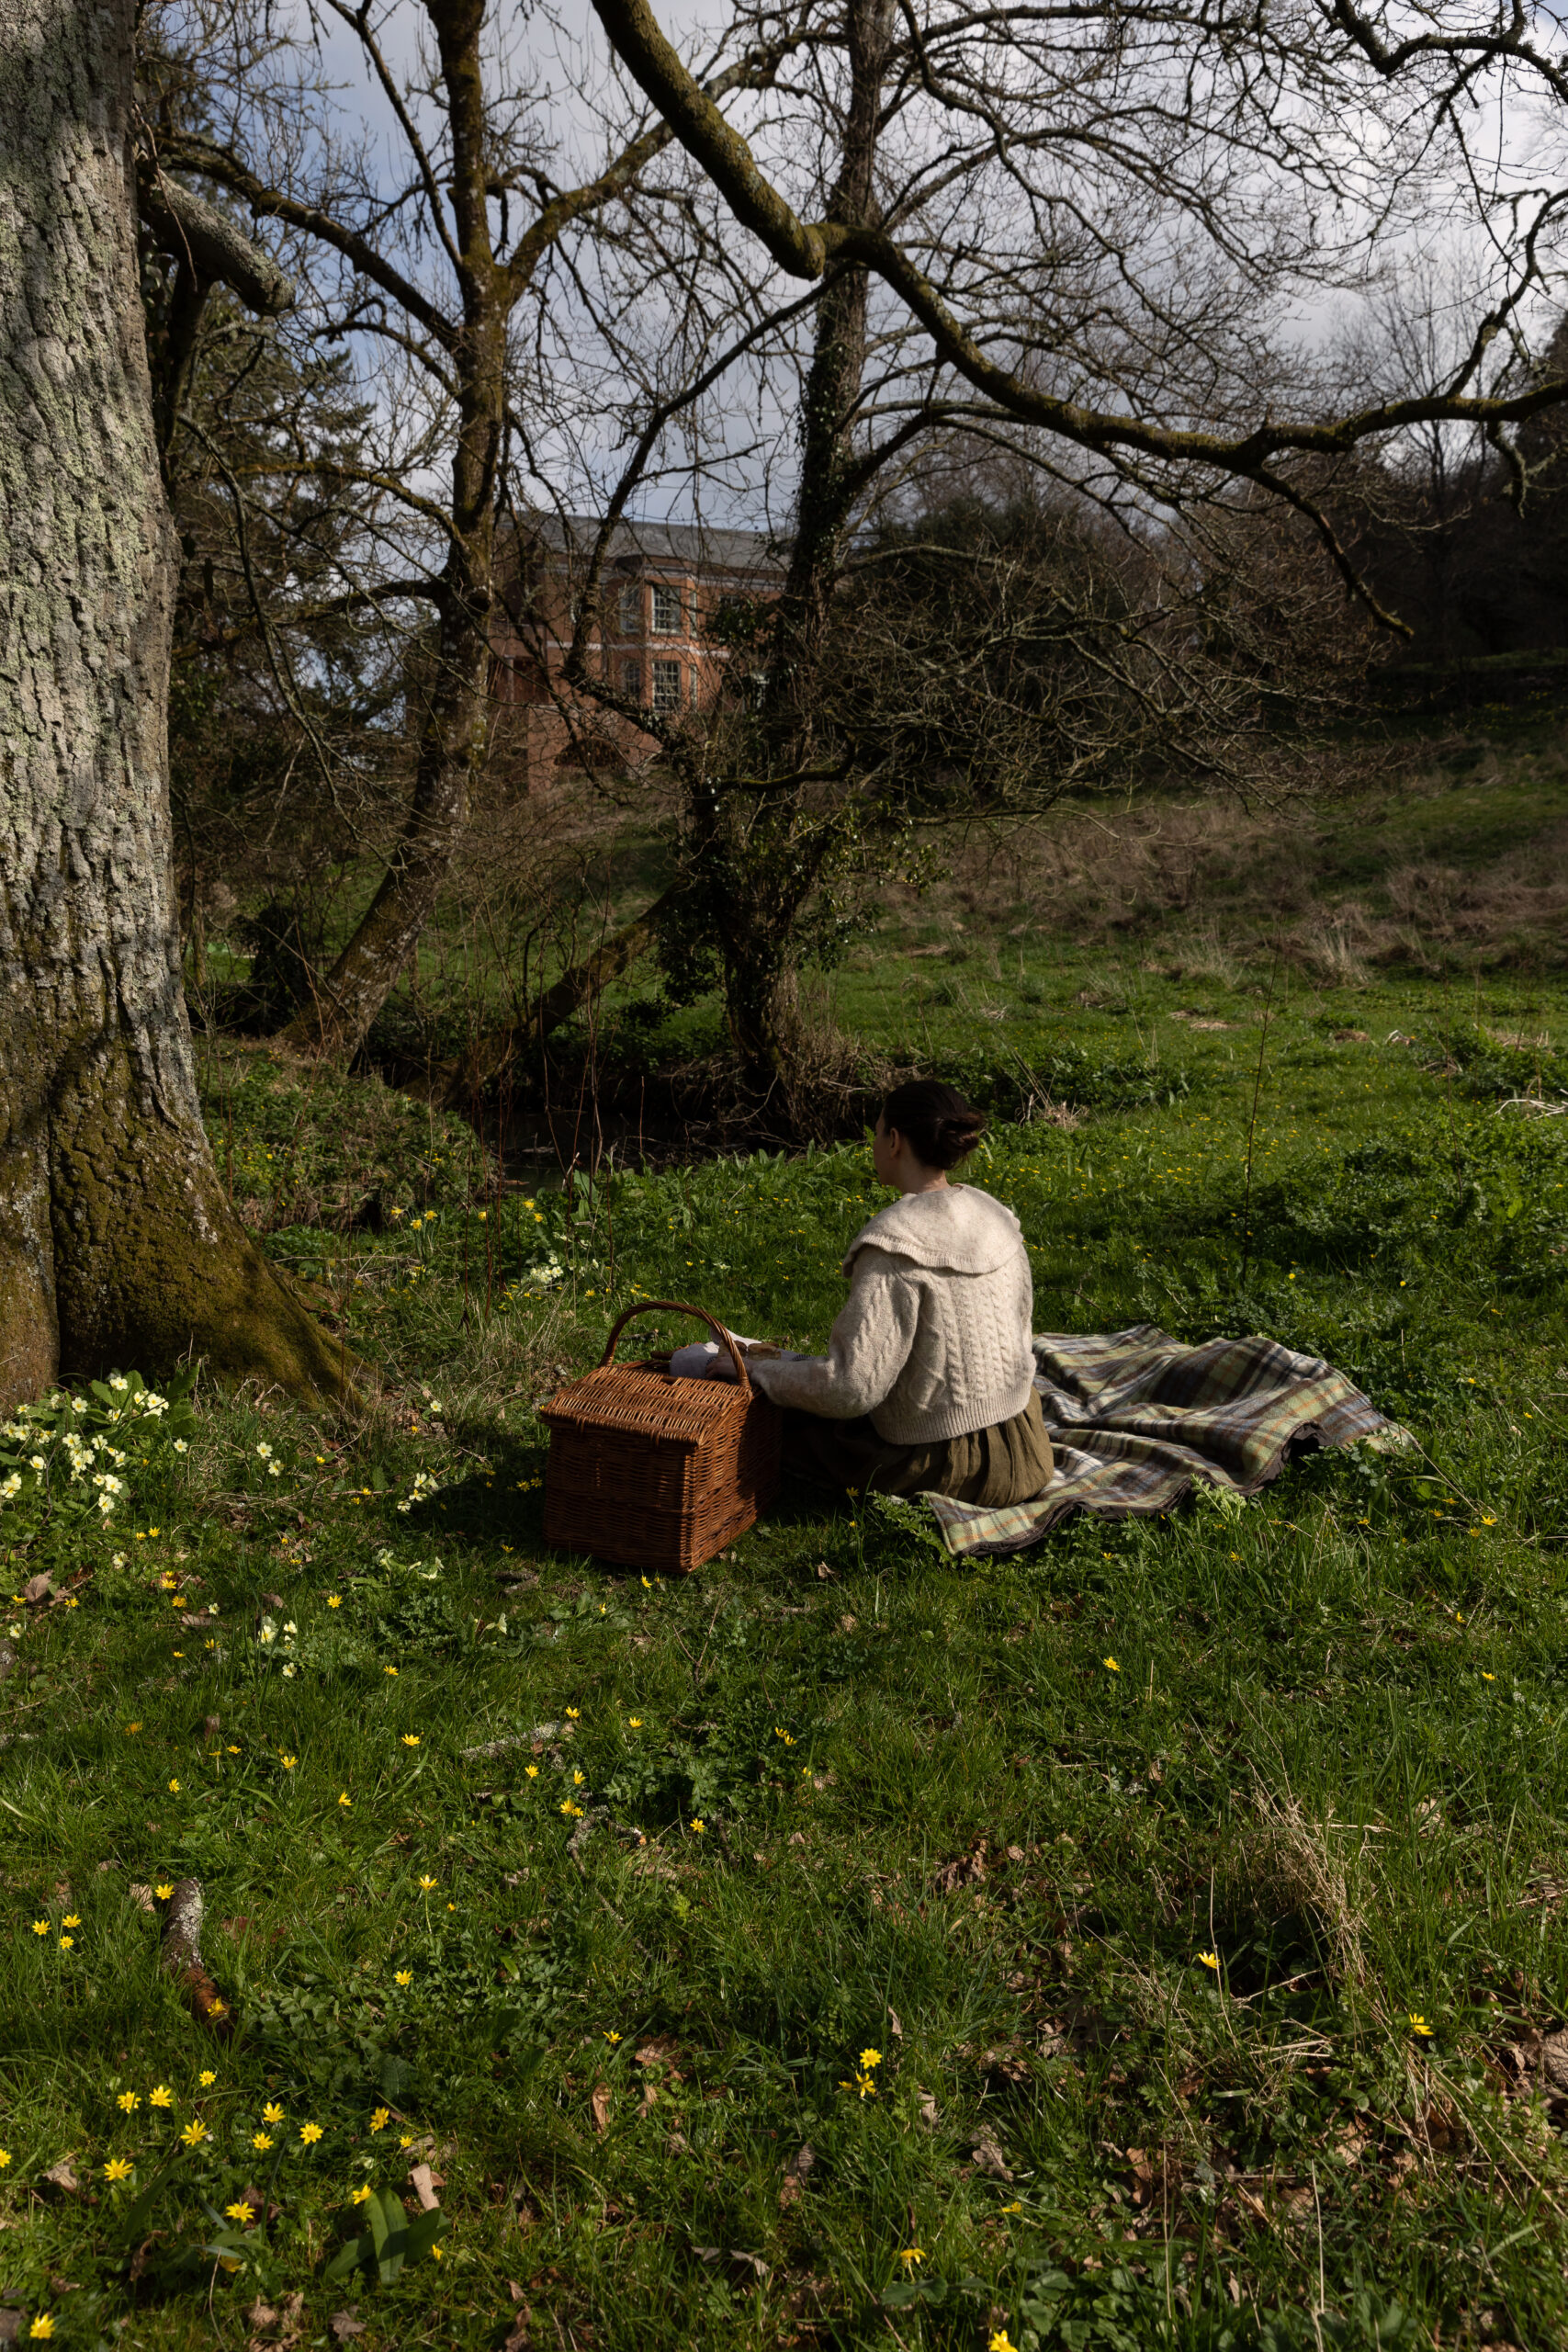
[(288, 1762), (532, 1770), (1209, 1960), (232, 1749), (40, 1926), (118, 2168), (173, 1788), (260, 2142), (360, 2196), (133, 1726), (272, 2112), (411, 1739), (869, 2058), (160, 2095), (436, 2253), (1487, 1677), (380, 2118), (577, 1779), (5, 2158), (41, 2329), (194, 2132), (162, 1892), (406, 2140), (574, 1714), (700, 1826), (1111, 1662), (612, 2037), (427, 1883), (911, 2255), (575, 1811), (1419, 2025), (128, 2101), (310, 2133), (404, 1976), (345, 1798), (635, 1722), (66, 1942), (391, 1669), (72, 1920), (1001, 2342), (335, 1600), (241, 2212), (207, 2078)]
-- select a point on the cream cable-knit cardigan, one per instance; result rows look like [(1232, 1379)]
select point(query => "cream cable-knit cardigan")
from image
[(934, 1339)]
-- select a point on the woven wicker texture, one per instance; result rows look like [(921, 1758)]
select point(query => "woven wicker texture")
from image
[(652, 1472)]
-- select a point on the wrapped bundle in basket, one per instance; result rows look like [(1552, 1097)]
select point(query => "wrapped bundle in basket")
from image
[(654, 1471)]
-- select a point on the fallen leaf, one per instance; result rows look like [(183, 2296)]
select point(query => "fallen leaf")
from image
[(599, 2107), (894, 2026), (799, 2165), (38, 1589), (343, 2324), (425, 2186), (753, 2262), (931, 2114), (61, 2176), (516, 2337), (989, 2158)]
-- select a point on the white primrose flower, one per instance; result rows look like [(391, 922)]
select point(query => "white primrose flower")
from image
[(38, 1463), (274, 1470), (154, 1403), (118, 1561), (268, 1632), (287, 1673), (180, 1446), (11, 1485), (118, 1382), (109, 1482), (265, 1451)]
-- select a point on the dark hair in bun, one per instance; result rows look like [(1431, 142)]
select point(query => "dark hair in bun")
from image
[(934, 1120)]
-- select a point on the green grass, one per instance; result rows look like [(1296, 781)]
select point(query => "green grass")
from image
[(937, 1824)]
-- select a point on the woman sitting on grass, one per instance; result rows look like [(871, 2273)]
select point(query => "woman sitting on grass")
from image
[(926, 1386)]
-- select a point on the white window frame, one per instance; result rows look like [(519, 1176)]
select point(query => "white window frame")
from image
[(667, 685), (631, 608), (631, 681), (667, 602)]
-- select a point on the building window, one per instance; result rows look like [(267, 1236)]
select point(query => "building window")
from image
[(666, 681), (693, 674), (631, 608), (696, 616), (631, 681), (666, 612)]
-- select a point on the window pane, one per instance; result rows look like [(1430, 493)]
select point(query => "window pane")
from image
[(667, 685), (667, 611), (631, 608), (631, 681)]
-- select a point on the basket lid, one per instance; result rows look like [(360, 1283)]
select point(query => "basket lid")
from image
[(638, 1399)]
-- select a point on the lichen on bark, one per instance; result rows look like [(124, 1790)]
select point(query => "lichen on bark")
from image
[(117, 1243)]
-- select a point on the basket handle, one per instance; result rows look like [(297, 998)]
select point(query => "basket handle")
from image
[(679, 1307)]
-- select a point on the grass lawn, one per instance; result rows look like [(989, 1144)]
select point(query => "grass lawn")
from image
[(1151, 1939)]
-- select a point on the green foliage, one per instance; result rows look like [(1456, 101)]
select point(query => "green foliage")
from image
[(389, 2242), (72, 1457), (466, 1904)]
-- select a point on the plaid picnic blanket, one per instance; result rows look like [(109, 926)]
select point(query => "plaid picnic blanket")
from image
[(1136, 1419)]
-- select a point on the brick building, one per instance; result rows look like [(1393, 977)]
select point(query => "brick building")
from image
[(663, 584)]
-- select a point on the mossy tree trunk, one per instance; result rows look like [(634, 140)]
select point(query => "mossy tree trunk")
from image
[(116, 1244)]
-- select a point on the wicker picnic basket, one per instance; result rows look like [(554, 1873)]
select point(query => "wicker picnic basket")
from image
[(654, 1471)]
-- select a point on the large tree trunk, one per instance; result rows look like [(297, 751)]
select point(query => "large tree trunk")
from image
[(116, 1245)]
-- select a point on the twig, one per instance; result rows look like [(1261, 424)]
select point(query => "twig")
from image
[(1251, 1126)]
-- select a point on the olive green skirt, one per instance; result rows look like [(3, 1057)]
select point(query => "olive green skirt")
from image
[(1006, 1463)]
